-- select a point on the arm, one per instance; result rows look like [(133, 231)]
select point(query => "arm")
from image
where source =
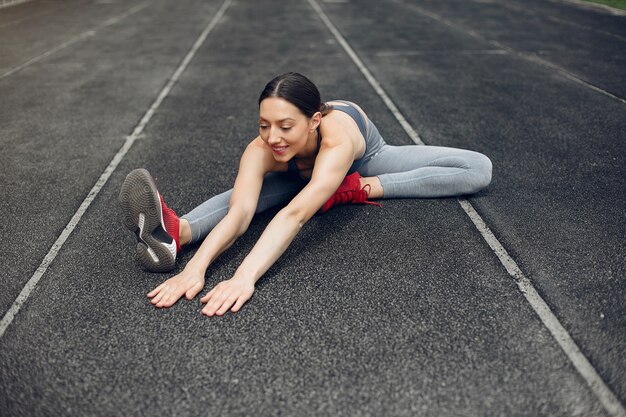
[(252, 168), (331, 166)]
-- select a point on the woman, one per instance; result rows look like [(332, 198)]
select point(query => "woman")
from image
[(308, 154)]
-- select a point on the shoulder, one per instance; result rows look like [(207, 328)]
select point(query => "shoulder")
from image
[(338, 127), (347, 103), (258, 154), (334, 129)]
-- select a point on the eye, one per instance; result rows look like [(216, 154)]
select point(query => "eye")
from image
[(286, 127), (262, 126)]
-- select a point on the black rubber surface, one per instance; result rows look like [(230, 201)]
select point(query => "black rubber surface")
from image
[(400, 310)]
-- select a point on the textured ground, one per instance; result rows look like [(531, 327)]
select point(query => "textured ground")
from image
[(403, 310)]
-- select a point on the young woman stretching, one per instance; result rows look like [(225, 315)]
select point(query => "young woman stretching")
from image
[(308, 154)]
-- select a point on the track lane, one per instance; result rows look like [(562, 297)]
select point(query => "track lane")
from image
[(595, 382), (425, 323), (67, 116), (548, 178)]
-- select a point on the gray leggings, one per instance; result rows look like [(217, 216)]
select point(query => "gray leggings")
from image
[(404, 172)]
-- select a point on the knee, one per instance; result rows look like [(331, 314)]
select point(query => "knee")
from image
[(485, 168), (482, 168)]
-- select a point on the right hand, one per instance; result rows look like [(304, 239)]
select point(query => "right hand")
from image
[(188, 283)]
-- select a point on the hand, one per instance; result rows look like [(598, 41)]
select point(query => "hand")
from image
[(232, 291), (188, 283)]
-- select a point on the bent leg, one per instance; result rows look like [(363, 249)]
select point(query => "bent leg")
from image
[(278, 188), (428, 171)]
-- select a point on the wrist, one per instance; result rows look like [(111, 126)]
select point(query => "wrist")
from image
[(196, 266), (242, 275)]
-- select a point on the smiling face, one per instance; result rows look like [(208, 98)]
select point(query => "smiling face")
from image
[(284, 128)]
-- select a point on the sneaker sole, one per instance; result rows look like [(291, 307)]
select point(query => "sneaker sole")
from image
[(142, 215)]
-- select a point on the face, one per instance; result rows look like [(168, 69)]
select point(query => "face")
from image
[(284, 128)]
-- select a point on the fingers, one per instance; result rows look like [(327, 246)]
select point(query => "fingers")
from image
[(162, 299), (159, 296), (169, 292), (165, 295), (220, 303), (226, 305), (193, 291), (217, 302), (168, 300), (240, 301), (156, 290), (206, 297)]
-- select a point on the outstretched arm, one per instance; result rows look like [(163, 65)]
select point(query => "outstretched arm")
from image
[(331, 166), (254, 163)]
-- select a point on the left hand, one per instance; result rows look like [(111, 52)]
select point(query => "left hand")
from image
[(222, 297)]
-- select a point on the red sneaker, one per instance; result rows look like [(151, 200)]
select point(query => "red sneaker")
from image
[(154, 224), (171, 222), (349, 192)]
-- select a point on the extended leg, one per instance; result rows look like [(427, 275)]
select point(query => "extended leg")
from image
[(426, 171), (278, 188)]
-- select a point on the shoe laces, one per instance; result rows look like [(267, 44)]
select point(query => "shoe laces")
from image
[(357, 195)]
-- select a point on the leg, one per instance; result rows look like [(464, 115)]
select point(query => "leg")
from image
[(277, 188), (427, 171)]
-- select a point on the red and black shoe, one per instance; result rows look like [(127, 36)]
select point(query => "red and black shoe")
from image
[(349, 192), (156, 226)]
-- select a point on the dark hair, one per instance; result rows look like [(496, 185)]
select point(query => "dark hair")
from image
[(299, 91)]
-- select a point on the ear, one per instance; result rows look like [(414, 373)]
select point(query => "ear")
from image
[(315, 121)]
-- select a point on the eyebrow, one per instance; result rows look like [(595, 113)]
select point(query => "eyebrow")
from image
[(282, 120)]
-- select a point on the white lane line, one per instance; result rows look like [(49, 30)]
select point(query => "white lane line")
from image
[(370, 78), (604, 394), (32, 16), (130, 140), (560, 334), (44, 12), (523, 9), (579, 26), (587, 28), (393, 53), (75, 39), (593, 6), (527, 56), (12, 3)]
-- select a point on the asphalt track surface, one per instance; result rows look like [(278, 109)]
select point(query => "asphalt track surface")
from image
[(400, 310)]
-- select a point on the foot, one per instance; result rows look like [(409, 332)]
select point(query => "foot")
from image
[(171, 222), (349, 192), (155, 225)]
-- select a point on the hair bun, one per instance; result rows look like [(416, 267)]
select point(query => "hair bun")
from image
[(325, 108)]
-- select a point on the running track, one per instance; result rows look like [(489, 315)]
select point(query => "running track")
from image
[(509, 303)]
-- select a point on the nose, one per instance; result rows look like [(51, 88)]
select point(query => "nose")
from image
[(274, 137)]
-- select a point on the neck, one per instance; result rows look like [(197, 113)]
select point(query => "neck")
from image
[(310, 148)]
